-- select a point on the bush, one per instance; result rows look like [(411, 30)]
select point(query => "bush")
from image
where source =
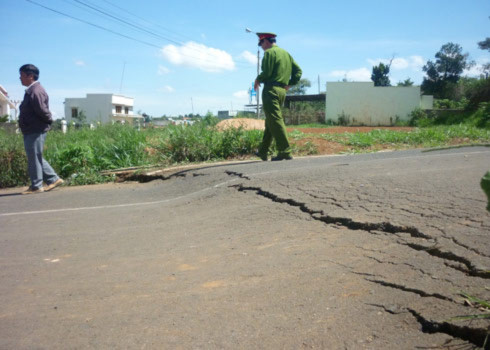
[(201, 143), (419, 117), (304, 113), (343, 119), (479, 93), (13, 161), (481, 118), (450, 104)]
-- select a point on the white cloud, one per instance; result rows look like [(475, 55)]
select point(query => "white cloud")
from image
[(198, 56), (417, 62), (477, 69), (399, 63), (166, 89), (80, 63), (249, 57), (162, 70), (241, 94), (361, 74)]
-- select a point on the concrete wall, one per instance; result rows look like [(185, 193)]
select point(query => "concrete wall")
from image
[(5, 103), (361, 103), (427, 102), (4, 108)]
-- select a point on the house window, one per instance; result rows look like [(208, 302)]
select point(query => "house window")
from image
[(74, 113), (126, 110), (118, 109)]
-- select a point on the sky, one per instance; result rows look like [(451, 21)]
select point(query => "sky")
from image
[(189, 56)]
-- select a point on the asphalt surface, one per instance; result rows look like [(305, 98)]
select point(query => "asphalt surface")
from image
[(342, 252)]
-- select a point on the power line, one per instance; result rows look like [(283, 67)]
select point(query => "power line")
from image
[(143, 19), (100, 10), (125, 22), (90, 11), (118, 33), (92, 24)]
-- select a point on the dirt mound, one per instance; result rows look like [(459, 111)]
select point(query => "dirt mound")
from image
[(245, 123)]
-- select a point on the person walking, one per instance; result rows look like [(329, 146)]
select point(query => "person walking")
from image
[(34, 122), (279, 72)]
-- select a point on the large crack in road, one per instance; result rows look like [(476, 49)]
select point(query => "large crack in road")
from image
[(475, 334)]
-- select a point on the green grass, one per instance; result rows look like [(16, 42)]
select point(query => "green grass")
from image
[(310, 125), (435, 136), (81, 155)]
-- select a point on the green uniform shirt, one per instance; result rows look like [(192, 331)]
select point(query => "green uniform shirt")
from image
[(279, 67)]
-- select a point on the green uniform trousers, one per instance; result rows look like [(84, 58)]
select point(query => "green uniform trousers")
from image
[(485, 185), (272, 100)]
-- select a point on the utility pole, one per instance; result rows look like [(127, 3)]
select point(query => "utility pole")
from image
[(258, 88), (258, 71), (318, 84)]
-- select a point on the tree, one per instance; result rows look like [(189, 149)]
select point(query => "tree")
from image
[(210, 119), (444, 73), (300, 88), (380, 75), (406, 82), (485, 45)]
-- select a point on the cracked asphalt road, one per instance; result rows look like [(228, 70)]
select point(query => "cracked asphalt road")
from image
[(346, 252)]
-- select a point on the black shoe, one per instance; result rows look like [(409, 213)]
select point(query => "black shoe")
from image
[(261, 156), (282, 157)]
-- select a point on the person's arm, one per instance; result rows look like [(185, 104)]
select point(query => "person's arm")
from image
[(40, 105), (295, 73), (267, 67)]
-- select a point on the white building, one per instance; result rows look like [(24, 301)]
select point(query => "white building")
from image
[(362, 103), (102, 108), (5, 103)]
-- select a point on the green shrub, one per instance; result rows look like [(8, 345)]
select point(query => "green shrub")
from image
[(450, 104), (343, 119), (13, 168), (304, 112), (419, 118), (481, 118), (201, 143), (480, 92), (13, 161)]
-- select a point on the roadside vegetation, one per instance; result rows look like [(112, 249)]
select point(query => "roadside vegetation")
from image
[(82, 154)]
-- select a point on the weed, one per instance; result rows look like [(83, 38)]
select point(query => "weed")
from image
[(296, 135), (343, 119)]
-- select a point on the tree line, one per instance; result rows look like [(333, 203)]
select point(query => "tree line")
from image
[(444, 78)]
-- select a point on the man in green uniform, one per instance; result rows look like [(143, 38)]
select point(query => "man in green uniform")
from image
[(279, 72), (485, 185)]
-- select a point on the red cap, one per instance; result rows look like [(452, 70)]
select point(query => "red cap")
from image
[(266, 35)]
